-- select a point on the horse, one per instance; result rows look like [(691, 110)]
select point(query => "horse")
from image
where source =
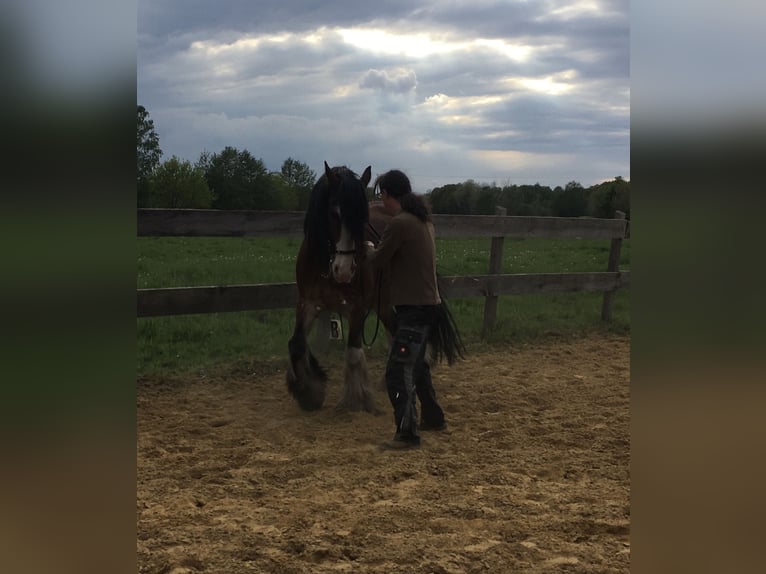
[(332, 275)]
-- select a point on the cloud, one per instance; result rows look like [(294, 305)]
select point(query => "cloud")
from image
[(444, 91), (397, 81)]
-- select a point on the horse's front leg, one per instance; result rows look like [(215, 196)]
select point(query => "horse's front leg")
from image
[(306, 380), (357, 394)]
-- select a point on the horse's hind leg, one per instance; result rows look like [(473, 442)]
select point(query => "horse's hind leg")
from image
[(306, 380), (357, 394)]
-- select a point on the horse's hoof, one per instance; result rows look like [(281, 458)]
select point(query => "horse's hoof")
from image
[(309, 398), (310, 404)]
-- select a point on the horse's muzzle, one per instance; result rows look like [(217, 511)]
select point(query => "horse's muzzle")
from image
[(343, 267), (343, 275)]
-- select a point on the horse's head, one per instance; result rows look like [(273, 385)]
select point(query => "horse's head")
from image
[(336, 218)]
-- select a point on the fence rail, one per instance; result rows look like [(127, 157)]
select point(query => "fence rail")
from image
[(232, 223), (219, 299)]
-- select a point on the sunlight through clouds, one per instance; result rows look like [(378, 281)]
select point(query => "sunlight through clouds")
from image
[(577, 9), (500, 160), (552, 85), (444, 102), (512, 51), (210, 48), (546, 85), (437, 100), (410, 45), (423, 45), (458, 110)]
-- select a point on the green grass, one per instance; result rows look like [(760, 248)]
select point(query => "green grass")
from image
[(197, 261), (194, 343)]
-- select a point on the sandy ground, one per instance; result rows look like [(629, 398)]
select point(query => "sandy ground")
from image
[(532, 474)]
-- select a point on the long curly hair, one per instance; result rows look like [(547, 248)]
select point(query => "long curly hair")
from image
[(397, 185)]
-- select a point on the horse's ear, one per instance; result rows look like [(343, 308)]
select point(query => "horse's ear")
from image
[(330, 175), (366, 176)]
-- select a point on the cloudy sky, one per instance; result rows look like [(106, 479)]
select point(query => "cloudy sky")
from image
[(510, 91)]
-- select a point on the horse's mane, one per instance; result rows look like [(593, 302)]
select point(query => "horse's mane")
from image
[(347, 192)]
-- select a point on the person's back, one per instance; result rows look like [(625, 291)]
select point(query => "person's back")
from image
[(408, 251), (409, 247)]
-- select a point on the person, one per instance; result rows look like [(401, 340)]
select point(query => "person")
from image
[(407, 248)]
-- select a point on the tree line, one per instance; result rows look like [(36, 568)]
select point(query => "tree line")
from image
[(235, 179), (573, 200), (229, 179)]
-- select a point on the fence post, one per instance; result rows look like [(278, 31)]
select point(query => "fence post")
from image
[(495, 267), (613, 266)]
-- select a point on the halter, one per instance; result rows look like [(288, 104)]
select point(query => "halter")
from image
[(332, 247), (332, 258)]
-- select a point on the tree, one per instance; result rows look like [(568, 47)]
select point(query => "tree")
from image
[(572, 201), (511, 198), (545, 201), (148, 154), (464, 196), (300, 179), (237, 179), (204, 162), (275, 194), (485, 201), (443, 199), (177, 184), (610, 196)]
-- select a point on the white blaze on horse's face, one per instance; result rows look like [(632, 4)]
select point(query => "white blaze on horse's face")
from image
[(343, 264)]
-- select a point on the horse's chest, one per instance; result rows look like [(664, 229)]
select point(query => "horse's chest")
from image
[(342, 297), (332, 296)]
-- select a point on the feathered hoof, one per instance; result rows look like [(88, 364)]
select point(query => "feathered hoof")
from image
[(310, 397), (310, 402)]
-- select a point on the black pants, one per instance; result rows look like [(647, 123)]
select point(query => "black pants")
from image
[(407, 372)]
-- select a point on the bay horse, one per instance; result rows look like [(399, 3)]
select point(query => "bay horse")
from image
[(332, 275)]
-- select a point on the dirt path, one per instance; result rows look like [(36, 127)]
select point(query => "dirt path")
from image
[(531, 476)]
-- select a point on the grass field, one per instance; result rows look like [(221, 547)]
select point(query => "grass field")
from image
[(201, 342)]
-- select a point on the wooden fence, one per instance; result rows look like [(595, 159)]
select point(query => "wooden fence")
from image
[(227, 298)]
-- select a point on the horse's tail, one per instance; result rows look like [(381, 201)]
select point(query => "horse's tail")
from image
[(445, 338)]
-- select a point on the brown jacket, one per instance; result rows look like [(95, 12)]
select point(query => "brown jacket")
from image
[(408, 248)]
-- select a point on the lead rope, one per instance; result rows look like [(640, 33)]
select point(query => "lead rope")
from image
[(376, 236)]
